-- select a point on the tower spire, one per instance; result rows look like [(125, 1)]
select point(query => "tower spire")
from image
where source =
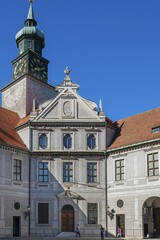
[(30, 21)]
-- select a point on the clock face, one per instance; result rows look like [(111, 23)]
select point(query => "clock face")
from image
[(20, 67), (12, 96), (38, 68)]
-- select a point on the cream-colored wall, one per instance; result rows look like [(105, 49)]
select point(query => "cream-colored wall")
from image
[(55, 139), (134, 190), (12, 191), (19, 96)]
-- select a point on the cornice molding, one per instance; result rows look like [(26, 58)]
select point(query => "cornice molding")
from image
[(134, 147)]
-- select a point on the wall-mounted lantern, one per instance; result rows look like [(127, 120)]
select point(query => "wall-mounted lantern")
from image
[(27, 212)]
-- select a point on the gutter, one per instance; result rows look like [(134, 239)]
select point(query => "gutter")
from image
[(133, 145)]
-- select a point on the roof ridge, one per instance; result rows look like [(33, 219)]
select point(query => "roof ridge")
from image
[(137, 114)]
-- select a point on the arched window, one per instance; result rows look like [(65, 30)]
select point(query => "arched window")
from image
[(43, 141), (67, 141), (91, 141)]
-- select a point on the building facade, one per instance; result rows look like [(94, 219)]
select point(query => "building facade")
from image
[(14, 177), (134, 176), (63, 135), (63, 162)]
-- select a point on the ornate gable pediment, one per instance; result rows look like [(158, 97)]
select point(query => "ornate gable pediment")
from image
[(68, 106)]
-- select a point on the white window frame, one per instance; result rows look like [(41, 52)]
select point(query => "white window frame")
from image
[(73, 139), (98, 173), (48, 134), (43, 161), (146, 162), (68, 183), (96, 138), (15, 157), (118, 159)]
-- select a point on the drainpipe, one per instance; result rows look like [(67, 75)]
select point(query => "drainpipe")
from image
[(29, 200), (106, 187), (106, 195)]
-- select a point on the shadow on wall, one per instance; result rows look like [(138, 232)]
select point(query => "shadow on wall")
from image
[(65, 205)]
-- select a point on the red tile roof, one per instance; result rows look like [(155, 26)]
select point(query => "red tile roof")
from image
[(136, 129), (8, 134), (23, 121)]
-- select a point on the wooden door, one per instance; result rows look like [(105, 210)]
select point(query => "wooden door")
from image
[(67, 218)]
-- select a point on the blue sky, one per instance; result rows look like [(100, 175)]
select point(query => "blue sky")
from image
[(111, 46)]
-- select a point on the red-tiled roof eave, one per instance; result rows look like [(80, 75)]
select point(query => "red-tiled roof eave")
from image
[(8, 134), (23, 122), (10, 146), (136, 129), (137, 145)]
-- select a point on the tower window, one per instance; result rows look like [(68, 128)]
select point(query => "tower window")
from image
[(29, 44), (21, 48), (37, 47)]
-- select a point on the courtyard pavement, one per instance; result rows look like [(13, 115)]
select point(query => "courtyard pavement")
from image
[(69, 238)]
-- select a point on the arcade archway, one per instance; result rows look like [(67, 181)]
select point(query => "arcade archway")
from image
[(151, 217)]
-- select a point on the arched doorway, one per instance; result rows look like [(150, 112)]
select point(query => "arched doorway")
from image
[(67, 216), (151, 217)]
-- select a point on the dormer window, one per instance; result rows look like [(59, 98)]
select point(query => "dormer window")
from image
[(156, 129)]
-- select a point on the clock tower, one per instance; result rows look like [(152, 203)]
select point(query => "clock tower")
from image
[(30, 70), (30, 42)]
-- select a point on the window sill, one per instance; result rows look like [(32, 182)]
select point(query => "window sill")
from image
[(17, 183), (43, 184), (119, 183), (152, 178)]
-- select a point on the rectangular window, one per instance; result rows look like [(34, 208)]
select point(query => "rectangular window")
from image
[(153, 164), (92, 209), (92, 172), (67, 172), (43, 213), (17, 170), (119, 170), (43, 173)]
